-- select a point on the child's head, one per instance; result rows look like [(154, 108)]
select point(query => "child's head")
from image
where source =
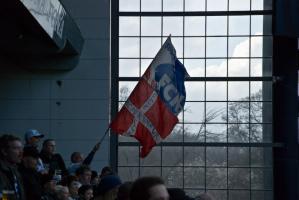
[(85, 192)]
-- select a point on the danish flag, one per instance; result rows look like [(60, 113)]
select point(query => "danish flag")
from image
[(151, 111)]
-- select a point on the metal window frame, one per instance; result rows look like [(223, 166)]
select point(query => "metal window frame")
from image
[(115, 79)]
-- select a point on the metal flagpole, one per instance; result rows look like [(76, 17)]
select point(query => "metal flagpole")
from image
[(101, 140)]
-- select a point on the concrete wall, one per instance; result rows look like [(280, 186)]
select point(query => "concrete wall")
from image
[(75, 113)]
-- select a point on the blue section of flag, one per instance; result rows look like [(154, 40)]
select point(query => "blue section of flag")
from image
[(180, 73), (171, 89)]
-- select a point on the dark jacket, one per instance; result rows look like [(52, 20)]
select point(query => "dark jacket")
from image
[(10, 179), (89, 158), (32, 183), (48, 196), (55, 162)]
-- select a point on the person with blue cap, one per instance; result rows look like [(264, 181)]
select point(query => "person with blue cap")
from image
[(32, 138)]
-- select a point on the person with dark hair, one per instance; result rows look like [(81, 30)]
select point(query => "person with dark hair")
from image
[(11, 151), (53, 161), (107, 170), (77, 159), (107, 188), (73, 184), (204, 196), (178, 194), (149, 188), (31, 178), (124, 191), (62, 192), (85, 192), (48, 185), (84, 174), (94, 178)]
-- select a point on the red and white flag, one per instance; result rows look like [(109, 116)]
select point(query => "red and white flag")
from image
[(150, 113)]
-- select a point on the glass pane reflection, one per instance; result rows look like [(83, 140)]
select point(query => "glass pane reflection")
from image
[(153, 159), (194, 26), (129, 26), (216, 156), (128, 47), (216, 47), (194, 133), (238, 67), (173, 5), (173, 176), (128, 67), (151, 26), (217, 5), (194, 156), (195, 91), (238, 178), (216, 91), (128, 173), (216, 112), (239, 5), (129, 5), (239, 25), (195, 5), (151, 5), (216, 178), (216, 25), (238, 157), (194, 112), (194, 177), (195, 67)]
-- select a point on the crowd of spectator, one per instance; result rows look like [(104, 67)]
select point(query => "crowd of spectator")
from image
[(29, 174)]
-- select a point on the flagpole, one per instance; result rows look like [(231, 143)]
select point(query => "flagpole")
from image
[(106, 132)]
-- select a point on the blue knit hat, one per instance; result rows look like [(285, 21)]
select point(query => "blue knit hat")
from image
[(108, 183)]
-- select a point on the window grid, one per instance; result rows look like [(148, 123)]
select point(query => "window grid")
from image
[(205, 79), (227, 105), (249, 106)]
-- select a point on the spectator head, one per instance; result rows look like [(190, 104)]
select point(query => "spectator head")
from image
[(30, 157), (73, 184), (77, 157), (106, 171), (204, 196), (48, 183), (149, 188), (124, 191), (84, 174), (62, 192), (85, 192), (108, 186), (11, 149), (32, 137), (74, 187), (94, 178), (177, 194), (49, 146)]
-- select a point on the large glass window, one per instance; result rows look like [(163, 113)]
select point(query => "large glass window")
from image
[(223, 141)]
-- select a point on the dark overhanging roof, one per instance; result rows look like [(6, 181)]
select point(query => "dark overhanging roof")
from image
[(39, 34)]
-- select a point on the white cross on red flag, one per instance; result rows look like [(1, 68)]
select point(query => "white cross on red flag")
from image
[(150, 113)]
